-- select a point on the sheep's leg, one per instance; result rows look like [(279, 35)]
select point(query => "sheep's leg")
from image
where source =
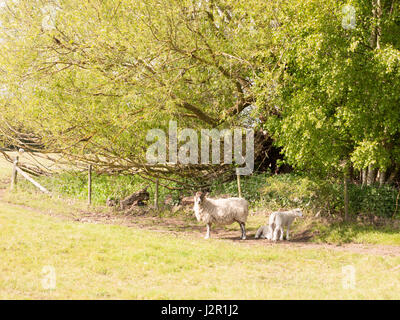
[(208, 231), (243, 228), (287, 233), (281, 236)]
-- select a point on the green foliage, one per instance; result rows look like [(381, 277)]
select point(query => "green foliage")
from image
[(328, 197), (312, 194), (288, 191), (250, 186), (75, 185), (92, 85), (335, 96)]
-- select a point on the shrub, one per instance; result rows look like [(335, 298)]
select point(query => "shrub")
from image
[(294, 190), (271, 192)]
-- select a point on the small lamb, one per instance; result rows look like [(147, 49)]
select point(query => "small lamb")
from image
[(277, 221), (221, 211), (262, 232)]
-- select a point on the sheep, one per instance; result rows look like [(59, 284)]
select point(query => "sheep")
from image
[(221, 212), (280, 219)]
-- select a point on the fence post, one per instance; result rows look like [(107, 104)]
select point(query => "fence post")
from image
[(156, 195), (346, 192), (14, 173), (239, 187), (346, 200), (90, 185)]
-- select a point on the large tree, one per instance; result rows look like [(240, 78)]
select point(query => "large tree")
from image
[(334, 102), (90, 78)]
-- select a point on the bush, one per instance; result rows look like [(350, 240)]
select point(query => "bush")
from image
[(75, 184), (251, 187), (274, 192), (328, 196), (270, 192)]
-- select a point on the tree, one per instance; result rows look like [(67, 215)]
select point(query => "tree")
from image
[(335, 96), (91, 78)]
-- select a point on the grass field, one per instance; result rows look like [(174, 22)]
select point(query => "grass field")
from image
[(106, 261)]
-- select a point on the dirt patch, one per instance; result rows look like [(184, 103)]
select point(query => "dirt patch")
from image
[(190, 228)]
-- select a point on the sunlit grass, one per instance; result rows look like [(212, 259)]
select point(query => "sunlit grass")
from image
[(115, 262)]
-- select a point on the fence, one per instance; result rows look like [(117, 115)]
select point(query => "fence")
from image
[(14, 177)]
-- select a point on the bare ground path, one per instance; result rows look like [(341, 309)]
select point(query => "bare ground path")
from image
[(188, 229)]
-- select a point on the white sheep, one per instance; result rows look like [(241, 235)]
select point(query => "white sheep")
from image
[(221, 211), (278, 220)]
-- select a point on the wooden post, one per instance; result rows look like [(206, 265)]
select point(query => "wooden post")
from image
[(14, 174), (90, 185), (346, 191), (156, 195), (27, 177), (239, 187)]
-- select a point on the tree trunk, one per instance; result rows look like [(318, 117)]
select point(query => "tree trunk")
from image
[(393, 175), (136, 199), (90, 184), (346, 194), (352, 174), (364, 174), (346, 179), (14, 173), (382, 177), (156, 195), (376, 31), (371, 175)]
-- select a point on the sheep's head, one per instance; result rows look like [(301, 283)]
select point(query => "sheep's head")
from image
[(298, 212), (199, 197)]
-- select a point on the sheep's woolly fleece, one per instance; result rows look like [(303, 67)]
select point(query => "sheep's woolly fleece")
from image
[(222, 211)]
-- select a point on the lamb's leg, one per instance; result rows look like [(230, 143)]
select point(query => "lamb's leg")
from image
[(259, 233), (275, 238), (287, 233), (208, 231), (264, 232), (243, 228), (270, 232)]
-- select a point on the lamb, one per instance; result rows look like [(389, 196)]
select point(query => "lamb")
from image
[(262, 232), (278, 220), (221, 212)]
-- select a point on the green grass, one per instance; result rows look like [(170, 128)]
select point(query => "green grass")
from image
[(273, 192), (116, 262), (95, 261)]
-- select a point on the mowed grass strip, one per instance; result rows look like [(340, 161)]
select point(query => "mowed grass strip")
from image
[(115, 262)]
